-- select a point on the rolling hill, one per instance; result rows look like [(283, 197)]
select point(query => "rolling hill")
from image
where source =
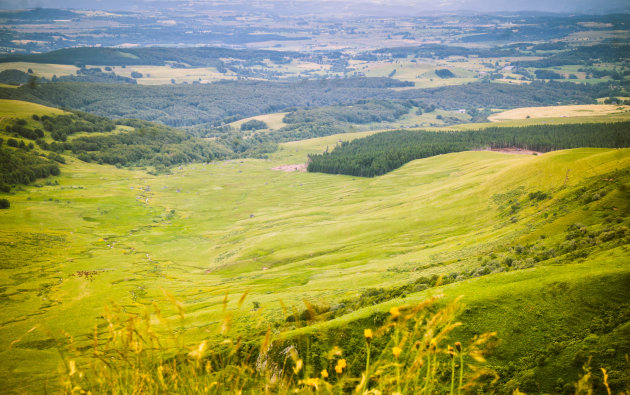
[(537, 246)]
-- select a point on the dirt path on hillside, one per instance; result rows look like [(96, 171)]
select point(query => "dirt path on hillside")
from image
[(514, 151), (287, 168)]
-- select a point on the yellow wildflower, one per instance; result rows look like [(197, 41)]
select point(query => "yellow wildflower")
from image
[(396, 351), (298, 366), (341, 364), (367, 333), (433, 344), (324, 374), (311, 382), (394, 312)]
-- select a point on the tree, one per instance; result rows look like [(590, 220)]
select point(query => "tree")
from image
[(444, 73), (254, 124), (548, 74), (32, 82)]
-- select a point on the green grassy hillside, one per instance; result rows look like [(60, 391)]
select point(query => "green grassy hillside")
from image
[(23, 109), (383, 152), (99, 233)]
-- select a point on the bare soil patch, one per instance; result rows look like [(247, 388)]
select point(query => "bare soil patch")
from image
[(514, 151), (288, 168)]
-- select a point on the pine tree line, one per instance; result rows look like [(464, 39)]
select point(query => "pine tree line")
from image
[(383, 152)]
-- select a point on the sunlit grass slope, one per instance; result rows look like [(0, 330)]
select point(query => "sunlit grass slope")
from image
[(581, 110), (22, 109), (206, 229), (41, 69)]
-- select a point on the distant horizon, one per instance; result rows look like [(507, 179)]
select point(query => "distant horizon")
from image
[(334, 7)]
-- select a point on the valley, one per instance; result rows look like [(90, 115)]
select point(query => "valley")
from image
[(234, 226), (291, 197)]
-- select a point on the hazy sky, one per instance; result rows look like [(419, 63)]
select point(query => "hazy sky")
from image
[(330, 6)]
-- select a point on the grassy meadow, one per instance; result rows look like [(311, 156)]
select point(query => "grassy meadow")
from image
[(552, 120), (22, 109), (41, 69), (582, 110), (161, 75), (421, 74), (274, 120), (98, 233)]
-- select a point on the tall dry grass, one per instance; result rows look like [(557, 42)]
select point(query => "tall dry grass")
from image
[(145, 353)]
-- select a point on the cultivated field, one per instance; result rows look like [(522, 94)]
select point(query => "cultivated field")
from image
[(41, 69), (163, 75), (582, 110), (421, 74)]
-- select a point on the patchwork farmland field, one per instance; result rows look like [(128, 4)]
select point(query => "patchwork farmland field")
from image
[(584, 110)]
